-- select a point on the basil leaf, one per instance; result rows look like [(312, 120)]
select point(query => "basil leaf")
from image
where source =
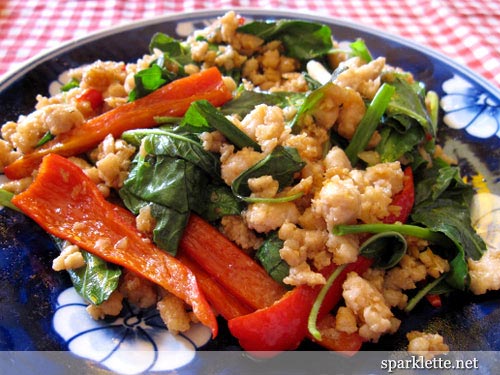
[(247, 100), (268, 254), (359, 48), (282, 164), (386, 249), (171, 186), (218, 201), (302, 39), (202, 116), (394, 144), (96, 280), (407, 102)]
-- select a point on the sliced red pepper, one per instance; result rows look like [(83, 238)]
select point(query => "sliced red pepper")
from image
[(67, 204), (93, 96), (283, 325), (346, 343), (434, 300), (172, 99), (227, 305), (404, 199), (228, 264)]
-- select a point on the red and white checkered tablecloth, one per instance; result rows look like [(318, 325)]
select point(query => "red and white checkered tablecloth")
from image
[(467, 31)]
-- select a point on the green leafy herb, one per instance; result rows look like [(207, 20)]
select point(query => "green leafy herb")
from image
[(386, 249), (359, 48), (282, 164), (406, 104), (73, 83), (147, 81), (309, 105), (48, 136), (422, 293), (96, 280), (169, 185), (313, 315), (302, 39), (404, 229), (203, 116), (268, 255), (247, 100), (6, 200), (369, 122), (219, 201)]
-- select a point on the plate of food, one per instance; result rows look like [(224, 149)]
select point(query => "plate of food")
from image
[(234, 190)]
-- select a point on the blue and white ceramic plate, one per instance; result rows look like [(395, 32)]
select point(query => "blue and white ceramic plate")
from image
[(41, 314)]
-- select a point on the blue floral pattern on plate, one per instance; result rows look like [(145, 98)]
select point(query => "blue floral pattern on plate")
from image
[(133, 343), (468, 107)]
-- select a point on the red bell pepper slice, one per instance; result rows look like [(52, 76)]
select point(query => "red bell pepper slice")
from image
[(228, 264), (224, 303), (283, 325), (93, 96), (172, 99), (404, 199), (345, 343), (67, 204)]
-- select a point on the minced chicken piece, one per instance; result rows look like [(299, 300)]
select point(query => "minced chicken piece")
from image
[(361, 76), (112, 306), (435, 265), (234, 163), (345, 249), (69, 259), (234, 228), (338, 202), (266, 125), (345, 320), (138, 290), (368, 304), (426, 344), (173, 313), (213, 141), (406, 274), (264, 217), (302, 274), (112, 159), (301, 244), (484, 273), (144, 221), (263, 187)]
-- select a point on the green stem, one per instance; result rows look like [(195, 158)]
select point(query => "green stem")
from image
[(5, 200), (405, 229), (313, 315), (369, 122), (422, 293)]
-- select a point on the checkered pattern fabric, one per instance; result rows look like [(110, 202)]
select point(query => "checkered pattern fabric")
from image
[(464, 30)]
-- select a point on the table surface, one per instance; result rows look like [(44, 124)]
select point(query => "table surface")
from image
[(465, 31)]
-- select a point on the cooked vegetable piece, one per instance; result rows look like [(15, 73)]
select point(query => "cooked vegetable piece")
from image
[(203, 116), (283, 325), (268, 255), (172, 99), (68, 205), (302, 39), (369, 122), (226, 304), (96, 280), (346, 343), (228, 264), (282, 164)]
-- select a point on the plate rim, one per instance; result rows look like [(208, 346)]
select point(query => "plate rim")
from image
[(12, 75)]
